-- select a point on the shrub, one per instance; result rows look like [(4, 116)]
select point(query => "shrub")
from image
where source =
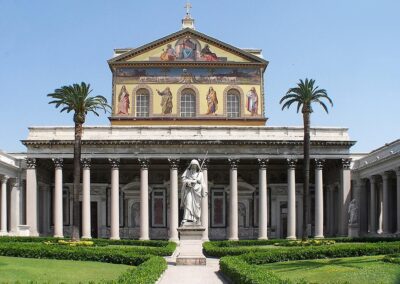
[(247, 268), (311, 242), (392, 258)]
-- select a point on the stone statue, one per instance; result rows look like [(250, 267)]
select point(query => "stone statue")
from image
[(192, 192), (353, 212)]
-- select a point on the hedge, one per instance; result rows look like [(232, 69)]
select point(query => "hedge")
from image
[(149, 267), (225, 248), (392, 258), (247, 268), (161, 248)]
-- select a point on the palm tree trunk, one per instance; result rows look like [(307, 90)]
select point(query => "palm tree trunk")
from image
[(77, 182), (306, 174)]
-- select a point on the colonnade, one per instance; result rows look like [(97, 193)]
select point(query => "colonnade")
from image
[(233, 228), (379, 199)]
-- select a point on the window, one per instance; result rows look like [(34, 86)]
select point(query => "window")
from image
[(158, 208), (233, 104), (142, 103), (188, 103), (218, 208)]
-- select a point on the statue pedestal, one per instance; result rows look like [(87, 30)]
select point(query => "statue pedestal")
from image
[(353, 231), (191, 245)]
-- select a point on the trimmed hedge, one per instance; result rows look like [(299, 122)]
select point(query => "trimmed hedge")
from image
[(149, 267), (247, 268), (392, 258), (161, 248), (225, 248)]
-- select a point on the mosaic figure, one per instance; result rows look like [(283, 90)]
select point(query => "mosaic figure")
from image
[(124, 103), (252, 101), (166, 100), (212, 101)]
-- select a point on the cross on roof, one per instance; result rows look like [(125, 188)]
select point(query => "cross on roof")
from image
[(188, 6)]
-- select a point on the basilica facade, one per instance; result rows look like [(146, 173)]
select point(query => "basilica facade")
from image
[(182, 97)]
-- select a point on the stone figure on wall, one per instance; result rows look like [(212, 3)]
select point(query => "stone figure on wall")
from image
[(212, 101), (192, 192), (168, 54), (124, 103), (166, 100), (207, 55), (353, 212), (252, 101)]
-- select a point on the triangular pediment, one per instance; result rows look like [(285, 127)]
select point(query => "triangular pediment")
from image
[(187, 45)]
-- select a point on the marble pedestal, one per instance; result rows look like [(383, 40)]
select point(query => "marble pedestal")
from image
[(191, 245), (353, 231)]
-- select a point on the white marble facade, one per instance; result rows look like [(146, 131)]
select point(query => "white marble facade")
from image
[(131, 189)]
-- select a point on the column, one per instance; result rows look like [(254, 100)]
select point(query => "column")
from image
[(372, 212), (398, 199), (262, 200), (233, 201), (114, 199), (331, 211), (380, 211), (86, 222), (31, 197), (144, 199), (344, 197), (58, 198), (319, 200), (204, 201), (291, 215), (173, 200), (3, 228), (15, 206), (385, 202)]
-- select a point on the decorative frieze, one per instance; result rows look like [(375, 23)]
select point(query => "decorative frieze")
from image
[(58, 163), (30, 163), (114, 163)]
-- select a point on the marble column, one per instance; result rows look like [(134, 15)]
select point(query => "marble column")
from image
[(380, 209), (398, 199), (86, 222), (144, 199), (331, 212), (3, 228), (262, 200), (385, 202), (344, 197), (233, 201), (58, 198), (15, 206), (319, 200), (372, 212), (291, 215), (204, 201), (114, 199), (31, 197), (173, 200)]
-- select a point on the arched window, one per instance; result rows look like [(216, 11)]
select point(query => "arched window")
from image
[(233, 103), (188, 103), (142, 103)]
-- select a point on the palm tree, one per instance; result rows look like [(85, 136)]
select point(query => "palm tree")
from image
[(76, 98), (304, 95)]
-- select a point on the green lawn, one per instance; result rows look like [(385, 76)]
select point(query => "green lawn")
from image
[(14, 269), (362, 270)]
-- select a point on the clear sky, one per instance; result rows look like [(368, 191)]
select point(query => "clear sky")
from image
[(351, 48)]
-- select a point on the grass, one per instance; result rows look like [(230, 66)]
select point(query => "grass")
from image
[(14, 269), (357, 270)]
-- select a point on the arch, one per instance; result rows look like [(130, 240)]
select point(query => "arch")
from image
[(195, 93), (240, 94), (138, 91)]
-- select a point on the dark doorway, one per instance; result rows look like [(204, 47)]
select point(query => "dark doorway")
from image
[(283, 211), (93, 220)]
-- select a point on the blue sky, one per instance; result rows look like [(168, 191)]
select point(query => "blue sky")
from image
[(351, 48)]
